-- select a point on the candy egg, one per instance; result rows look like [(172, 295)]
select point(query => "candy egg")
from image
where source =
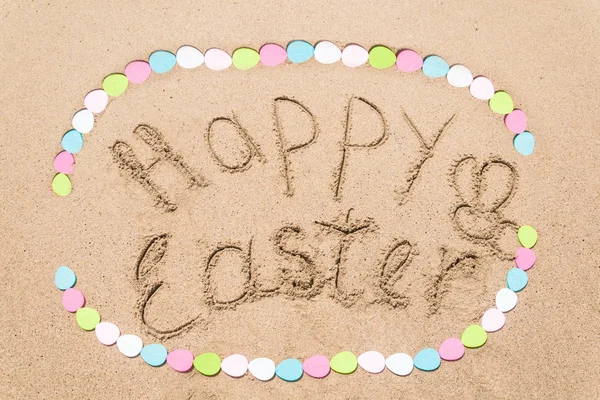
[(189, 57), (409, 61), (354, 56), (289, 370), (180, 360), (344, 362), (435, 67), (427, 360), (327, 53), (299, 51), (262, 369), (400, 364), (316, 366), (208, 364), (162, 61), (217, 59), (235, 365), (451, 349), (372, 361), (154, 354)]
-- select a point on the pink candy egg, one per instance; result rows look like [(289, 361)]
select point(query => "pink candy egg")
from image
[(272, 55), (63, 162), (409, 61), (452, 349), (137, 71), (516, 121), (525, 258), (180, 360), (316, 366), (73, 300)]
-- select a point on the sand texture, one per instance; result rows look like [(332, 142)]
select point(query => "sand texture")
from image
[(303, 209)]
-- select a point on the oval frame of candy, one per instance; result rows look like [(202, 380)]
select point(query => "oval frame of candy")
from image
[(270, 55)]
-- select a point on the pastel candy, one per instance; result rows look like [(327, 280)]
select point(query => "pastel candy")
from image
[(474, 336), (83, 121), (96, 101), (290, 370), (208, 364), (64, 278), (245, 58), (435, 67), (427, 360), (506, 300), (299, 51), (180, 360), (262, 368), (451, 349), (525, 258), (154, 354), (372, 361), (354, 56), (72, 141), (482, 88), (87, 318), (516, 121), (115, 84), (189, 57), (73, 300), (63, 162), (344, 362), (61, 185), (409, 61), (527, 236), (130, 345), (272, 54), (493, 320), (316, 366), (327, 53), (516, 279), (137, 71), (381, 57), (217, 59), (235, 365), (501, 103), (400, 364), (162, 61), (459, 76), (107, 333), (524, 143)]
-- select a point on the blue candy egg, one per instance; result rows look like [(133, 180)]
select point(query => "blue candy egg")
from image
[(162, 61), (154, 354), (72, 141), (64, 278), (427, 360), (299, 51), (516, 279), (524, 143), (435, 67), (289, 370)]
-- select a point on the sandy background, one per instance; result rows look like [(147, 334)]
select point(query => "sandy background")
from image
[(545, 55)]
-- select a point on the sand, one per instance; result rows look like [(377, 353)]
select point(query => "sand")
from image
[(258, 232)]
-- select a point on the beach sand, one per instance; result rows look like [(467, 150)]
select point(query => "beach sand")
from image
[(256, 231)]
